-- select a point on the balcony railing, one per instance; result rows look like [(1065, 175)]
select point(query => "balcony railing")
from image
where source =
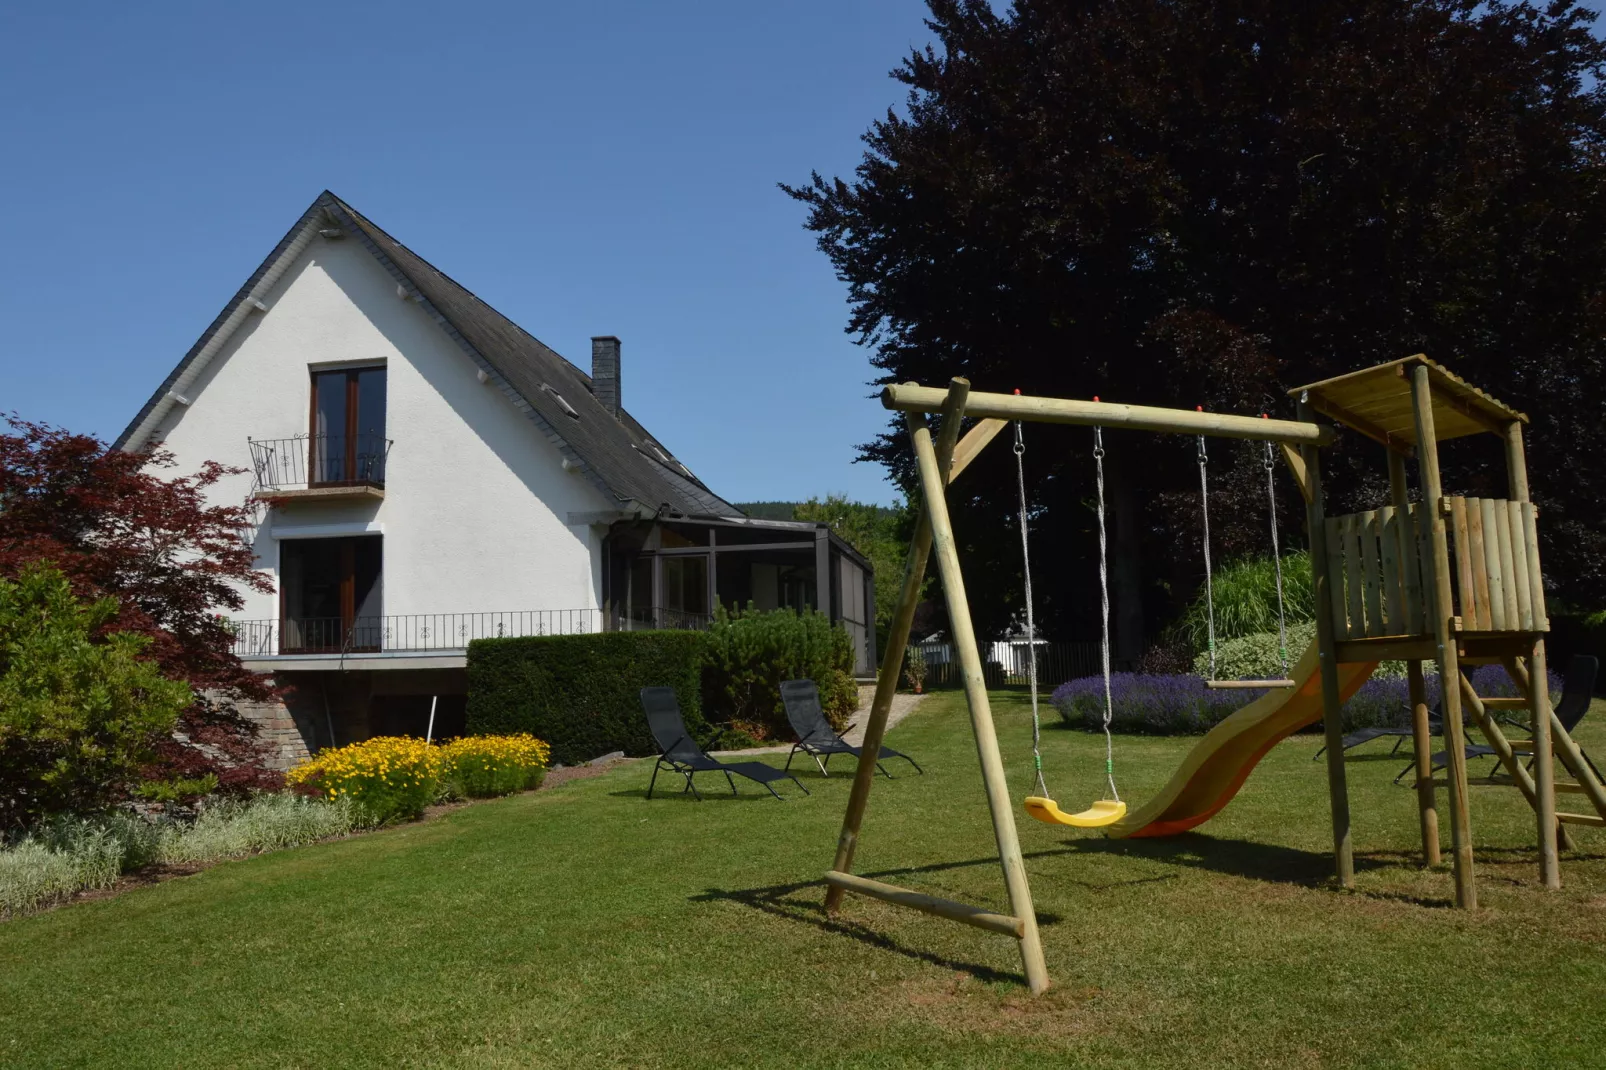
[(306, 461), (427, 632)]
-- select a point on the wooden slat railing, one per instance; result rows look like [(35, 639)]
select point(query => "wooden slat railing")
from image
[(1377, 559)]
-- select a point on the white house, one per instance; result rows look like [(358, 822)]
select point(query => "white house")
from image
[(423, 472)]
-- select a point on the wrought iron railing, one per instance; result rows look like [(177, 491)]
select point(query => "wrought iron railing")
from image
[(319, 461), (424, 632)]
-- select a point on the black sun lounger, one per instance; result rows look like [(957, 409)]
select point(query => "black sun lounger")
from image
[(816, 737), (678, 752), (1577, 690)]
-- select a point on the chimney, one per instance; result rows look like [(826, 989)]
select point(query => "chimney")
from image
[(605, 371)]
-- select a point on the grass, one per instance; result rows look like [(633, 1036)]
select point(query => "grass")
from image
[(586, 927)]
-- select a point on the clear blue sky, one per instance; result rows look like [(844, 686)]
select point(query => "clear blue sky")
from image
[(591, 168)]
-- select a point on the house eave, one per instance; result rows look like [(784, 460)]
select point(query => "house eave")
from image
[(247, 302)]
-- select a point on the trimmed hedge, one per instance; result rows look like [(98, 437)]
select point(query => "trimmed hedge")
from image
[(580, 693)]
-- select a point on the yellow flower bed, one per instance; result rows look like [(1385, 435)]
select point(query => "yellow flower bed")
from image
[(397, 776), (481, 766)]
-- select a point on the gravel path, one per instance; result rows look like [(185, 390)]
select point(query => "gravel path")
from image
[(902, 706)]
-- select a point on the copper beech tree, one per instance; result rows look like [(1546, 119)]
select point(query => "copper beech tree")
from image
[(1207, 202), (117, 526)]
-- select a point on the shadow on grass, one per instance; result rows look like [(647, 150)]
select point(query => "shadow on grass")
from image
[(671, 796), (789, 901), (1272, 863)]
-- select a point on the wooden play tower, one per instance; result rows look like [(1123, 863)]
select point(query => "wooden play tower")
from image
[(1450, 580)]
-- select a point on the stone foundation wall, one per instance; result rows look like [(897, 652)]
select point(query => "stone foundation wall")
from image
[(336, 708), (289, 726)]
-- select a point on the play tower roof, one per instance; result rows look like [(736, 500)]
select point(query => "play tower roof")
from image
[(1377, 402)]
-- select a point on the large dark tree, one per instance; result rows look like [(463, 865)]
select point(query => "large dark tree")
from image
[(116, 527), (1188, 202)]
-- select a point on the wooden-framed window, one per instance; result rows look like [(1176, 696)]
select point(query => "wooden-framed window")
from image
[(348, 442)]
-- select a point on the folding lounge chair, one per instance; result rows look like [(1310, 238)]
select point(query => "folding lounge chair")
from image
[(1577, 689), (678, 752), (1401, 733), (816, 737)]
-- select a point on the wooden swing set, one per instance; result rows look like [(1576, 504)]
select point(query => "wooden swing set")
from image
[(1389, 584)]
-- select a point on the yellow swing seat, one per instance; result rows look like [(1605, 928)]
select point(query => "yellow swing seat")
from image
[(1104, 812)]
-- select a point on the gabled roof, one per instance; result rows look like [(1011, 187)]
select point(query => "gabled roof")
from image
[(616, 453), (1377, 402)]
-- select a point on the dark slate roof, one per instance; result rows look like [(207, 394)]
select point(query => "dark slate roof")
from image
[(617, 453)]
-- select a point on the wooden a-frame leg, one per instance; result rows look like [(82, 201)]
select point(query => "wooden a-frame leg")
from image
[(897, 640), (933, 489)]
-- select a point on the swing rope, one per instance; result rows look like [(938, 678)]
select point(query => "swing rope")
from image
[(1103, 812), (1277, 557), (1210, 600), (1031, 623), (1104, 595)]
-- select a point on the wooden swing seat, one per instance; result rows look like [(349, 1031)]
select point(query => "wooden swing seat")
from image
[(1104, 812), (1216, 684)]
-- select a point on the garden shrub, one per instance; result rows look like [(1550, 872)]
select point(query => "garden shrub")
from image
[(480, 767), (580, 693), (750, 652), (80, 713), (1255, 657), (387, 777)]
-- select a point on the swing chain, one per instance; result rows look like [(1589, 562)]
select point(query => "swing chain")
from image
[(1210, 599), (1031, 623), (1104, 599), (1277, 559)]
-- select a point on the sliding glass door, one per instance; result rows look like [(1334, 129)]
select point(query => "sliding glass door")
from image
[(330, 595)]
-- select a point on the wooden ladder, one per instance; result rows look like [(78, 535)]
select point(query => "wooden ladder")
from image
[(1510, 752)]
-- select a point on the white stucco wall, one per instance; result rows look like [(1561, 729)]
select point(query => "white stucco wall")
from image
[(476, 502)]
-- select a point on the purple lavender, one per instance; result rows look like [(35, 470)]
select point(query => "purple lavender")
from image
[(1181, 704)]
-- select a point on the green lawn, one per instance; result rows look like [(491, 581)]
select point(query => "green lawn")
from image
[(587, 927)]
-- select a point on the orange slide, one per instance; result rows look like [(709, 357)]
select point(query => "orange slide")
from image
[(1219, 763)]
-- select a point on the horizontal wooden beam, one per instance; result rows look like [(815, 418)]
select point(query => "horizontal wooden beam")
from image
[(907, 397), (1582, 819), (930, 904), (1478, 649), (1398, 648), (1563, 787), (1518, 703), (1262, 684), (1366, 427)]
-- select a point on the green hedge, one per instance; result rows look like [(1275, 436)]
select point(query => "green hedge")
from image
[(580, 693)]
